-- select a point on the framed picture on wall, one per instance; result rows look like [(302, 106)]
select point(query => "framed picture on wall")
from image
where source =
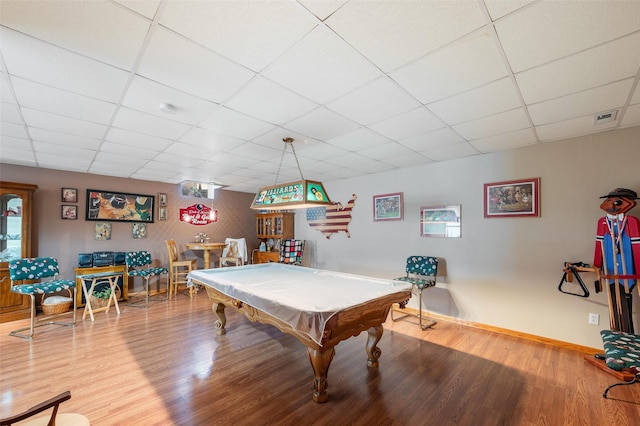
[(441, 221), (162, 199), (69, 195), (513, 198), (139, 230), (387, 207), (162, 213), (119, 206), (69, 212)]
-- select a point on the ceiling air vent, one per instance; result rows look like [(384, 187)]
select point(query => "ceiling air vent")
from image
[(605, 117)]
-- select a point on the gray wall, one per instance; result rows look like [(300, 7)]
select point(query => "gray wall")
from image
[(503, 272)]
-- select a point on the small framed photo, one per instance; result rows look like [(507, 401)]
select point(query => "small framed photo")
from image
[(69, 212), (103, 231), (139, 230), (514, 198), (440, 221), (388, 207), (162, 213), (69, 195), (162, 200)]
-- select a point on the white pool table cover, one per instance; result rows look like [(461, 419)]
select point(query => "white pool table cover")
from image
[(304, 298)]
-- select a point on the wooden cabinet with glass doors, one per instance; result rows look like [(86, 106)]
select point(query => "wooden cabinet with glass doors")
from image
[(271, 229), (15, 242)]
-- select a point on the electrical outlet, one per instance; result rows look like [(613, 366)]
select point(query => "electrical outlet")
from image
[(594, 319)]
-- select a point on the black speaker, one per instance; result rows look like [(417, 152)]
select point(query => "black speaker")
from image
[(85, 260), (118, 258)]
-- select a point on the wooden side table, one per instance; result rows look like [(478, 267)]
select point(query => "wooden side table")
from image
[(104, 277)]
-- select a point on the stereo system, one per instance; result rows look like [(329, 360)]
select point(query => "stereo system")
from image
[(101, 258)]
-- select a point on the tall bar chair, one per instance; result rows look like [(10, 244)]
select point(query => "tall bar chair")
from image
[(178, 269), (421, 272)]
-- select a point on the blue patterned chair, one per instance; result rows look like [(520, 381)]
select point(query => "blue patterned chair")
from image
[(291, 252), (35, 269), (421, 272), (139, 265), (622, 354)]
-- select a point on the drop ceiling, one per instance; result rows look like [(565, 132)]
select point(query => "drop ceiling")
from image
[(362, 86)]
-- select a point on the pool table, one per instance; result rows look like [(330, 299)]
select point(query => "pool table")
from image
[(319, 307)]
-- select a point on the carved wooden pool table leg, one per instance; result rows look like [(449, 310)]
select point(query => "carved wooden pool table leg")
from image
[(222, 318), (320, 361), (373, 351)]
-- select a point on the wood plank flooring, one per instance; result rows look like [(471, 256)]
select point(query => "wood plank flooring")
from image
[(165, 366)]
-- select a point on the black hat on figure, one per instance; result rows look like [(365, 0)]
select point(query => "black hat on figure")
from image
[(622, 192)]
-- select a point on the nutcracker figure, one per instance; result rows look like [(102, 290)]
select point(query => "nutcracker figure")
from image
[(617, 255)]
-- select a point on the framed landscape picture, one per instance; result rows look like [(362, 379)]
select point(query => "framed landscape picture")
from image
[(514, 198), (387, 207)]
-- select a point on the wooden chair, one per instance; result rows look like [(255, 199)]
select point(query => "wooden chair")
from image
[(63, 419), (139, 265), (234, 252), (178, 269), (37, 268), (421, 272), (291, 252)]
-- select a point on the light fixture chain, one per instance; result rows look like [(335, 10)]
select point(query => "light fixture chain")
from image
[(293, 148), (288, 142)]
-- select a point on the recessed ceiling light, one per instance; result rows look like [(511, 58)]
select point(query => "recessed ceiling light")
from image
[(168, 109)]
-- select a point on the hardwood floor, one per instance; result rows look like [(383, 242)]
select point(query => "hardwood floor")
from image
[(165, 366)]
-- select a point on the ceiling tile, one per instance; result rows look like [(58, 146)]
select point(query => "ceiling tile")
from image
[(503, 122), (458, 67), (411, 123), (180, 63), (378, 100), (270, 102), (64, 139), (138, 140), (499, 8), (146, 8), (322, 8), (256, 150), (631, 116), (385, 151), (23, 157), (62, 162), (207, 138), (147, 96), (136, 121), (13, 130), (121, 160), (67, 151), (561, 29), (356, 140), (229, 122), (321, 123), (131, 150), (322, 151), (571, 128), (58, 123), (9, 113), (101, 30), (230, 28), (414, 159), (60, 102), (451, 152), (37, 61), (392, 34), (605, 64), (481, 102), (436, 139), (591, 101), (321, 67), (505, 141)]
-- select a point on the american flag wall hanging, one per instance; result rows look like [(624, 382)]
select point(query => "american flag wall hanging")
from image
[(331, 219)]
